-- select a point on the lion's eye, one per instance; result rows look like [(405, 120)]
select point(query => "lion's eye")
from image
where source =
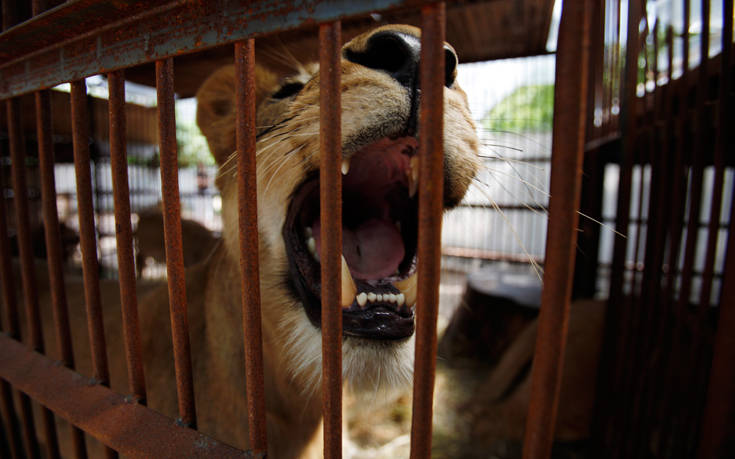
[(288, 90)]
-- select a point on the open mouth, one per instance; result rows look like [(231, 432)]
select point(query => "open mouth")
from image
[(379, 238)]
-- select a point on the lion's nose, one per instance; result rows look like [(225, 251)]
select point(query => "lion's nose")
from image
[(398, 54)]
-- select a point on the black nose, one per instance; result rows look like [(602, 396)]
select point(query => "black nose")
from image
[(398, 54)]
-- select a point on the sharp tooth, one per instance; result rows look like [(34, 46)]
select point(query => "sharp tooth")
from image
[(413, 175), (345, 166), (362, 299), (400, 299), (348, 285), (311, 245), (371, 296), (408, 288)]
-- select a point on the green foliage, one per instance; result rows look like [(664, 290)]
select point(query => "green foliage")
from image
[(192, 145), (527, 109)]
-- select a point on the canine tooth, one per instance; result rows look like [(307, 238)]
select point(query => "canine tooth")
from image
[(345, 166), (349, 289), (413, 176), (311, 245), (362, 299), (408, 288), (400, 299), (371, 296)]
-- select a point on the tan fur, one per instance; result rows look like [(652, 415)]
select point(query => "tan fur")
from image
[(373, 105), (198, 242), (499, 406)]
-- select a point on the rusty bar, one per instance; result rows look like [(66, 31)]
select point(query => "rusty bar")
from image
[(30, 441), (669, 236), (124, 236), (12, 328), (114, 419), (669, 402), (171, 28), (431, 179), (635, 326), (174, 250), (23, 232), (53, 245), (248, 221), (51, 227), (685, 386), (719, 411), (9, 14), (87, 238), (27, 264), (617, 314), (12, 425), (720, 406), (330, 201), (11, 323), (652, 306), (566, 183), (719, 163), (88, 244)]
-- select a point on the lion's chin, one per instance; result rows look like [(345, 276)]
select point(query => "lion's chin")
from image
[(368, 366)]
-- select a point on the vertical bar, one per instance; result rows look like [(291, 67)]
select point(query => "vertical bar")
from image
[(80, 138), (88, 242), (566, 166), (616, 316), (12, 327), (29, 430), (330, 199), (431, 179), (12, 321), (11, 421), (124, 236), (28, 274), (53, 244), (20, 192), (719, 410), (248, 225), (719, 163), (51, 227), (174, 251)]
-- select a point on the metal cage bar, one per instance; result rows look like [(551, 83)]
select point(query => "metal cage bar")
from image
[(88, 242), (114, 419), (124, 236), (53, 245), (95, 325), (174, 250), (10, 421), (566, 167), (27, 265), (245, 129), (330, 200), (720, 401), (430, 195)]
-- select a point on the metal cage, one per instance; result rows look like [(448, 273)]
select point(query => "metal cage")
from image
[(47, 50)]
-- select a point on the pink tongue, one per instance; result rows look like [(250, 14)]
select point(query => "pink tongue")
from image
[(373, 250)]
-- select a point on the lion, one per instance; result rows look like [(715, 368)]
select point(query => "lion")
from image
[(380, 98), (197, 240)]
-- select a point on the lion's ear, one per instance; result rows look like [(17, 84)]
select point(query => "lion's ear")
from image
[(216, 112), (216, 107)]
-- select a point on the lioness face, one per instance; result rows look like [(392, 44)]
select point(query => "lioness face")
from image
[(380, 99)]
